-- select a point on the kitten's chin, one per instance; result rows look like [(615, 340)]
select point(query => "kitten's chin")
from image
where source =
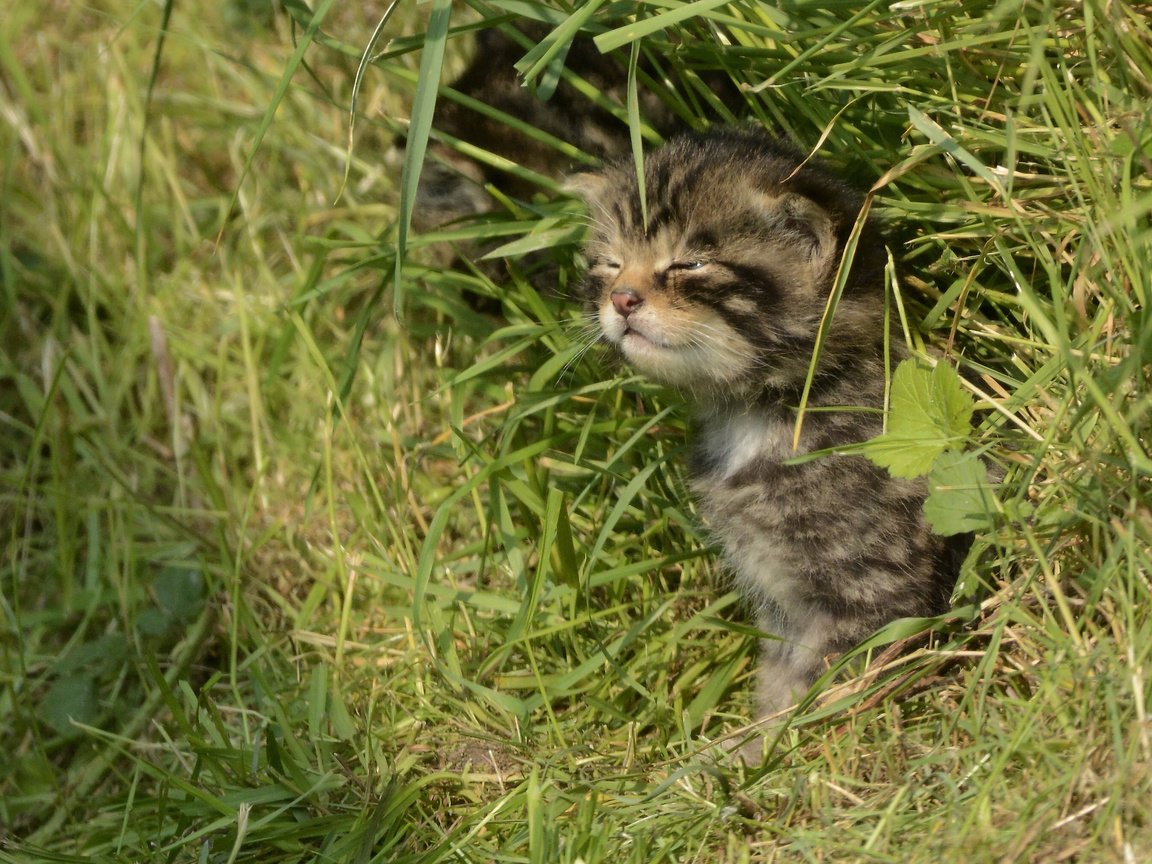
[(671, 365), (645, 355), (636, 343), (672, 361)]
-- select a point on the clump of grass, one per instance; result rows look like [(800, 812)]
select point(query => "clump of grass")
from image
[(288, 579)]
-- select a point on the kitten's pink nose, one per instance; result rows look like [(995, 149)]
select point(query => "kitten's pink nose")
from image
[(626, 302)]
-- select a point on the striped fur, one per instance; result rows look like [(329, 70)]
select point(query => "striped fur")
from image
[(720, 294)]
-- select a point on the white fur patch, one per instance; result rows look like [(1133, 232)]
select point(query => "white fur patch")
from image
[(735, 440)]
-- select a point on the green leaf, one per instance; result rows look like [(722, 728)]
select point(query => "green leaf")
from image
[(929, 413), (546, 238), (959, 497), (71, 697), (179, 592), (634, 132)]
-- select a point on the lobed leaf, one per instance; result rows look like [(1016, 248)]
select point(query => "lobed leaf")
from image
[(960, 499), (929, 412)]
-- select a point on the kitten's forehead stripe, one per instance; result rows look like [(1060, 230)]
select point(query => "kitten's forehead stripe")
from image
[(702, 240), (757, 282), (618, 213)]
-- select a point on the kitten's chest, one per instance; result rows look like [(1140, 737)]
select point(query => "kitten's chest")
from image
[(739, 463), (728, 445)]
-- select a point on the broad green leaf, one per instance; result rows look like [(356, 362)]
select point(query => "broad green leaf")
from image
[(959, 497), (72, 697), (537, 240), (929, 412), (179, 592)]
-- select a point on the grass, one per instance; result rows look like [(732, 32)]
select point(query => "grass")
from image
[(288, 578)]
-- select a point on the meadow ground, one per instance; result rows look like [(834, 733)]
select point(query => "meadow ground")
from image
[(301, 567)]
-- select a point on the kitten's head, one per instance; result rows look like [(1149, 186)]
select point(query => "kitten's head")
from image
[(722, 291)]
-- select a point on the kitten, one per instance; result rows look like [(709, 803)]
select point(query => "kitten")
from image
[(721, 295)]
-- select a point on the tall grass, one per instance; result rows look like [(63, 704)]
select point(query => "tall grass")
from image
[(286, 577)]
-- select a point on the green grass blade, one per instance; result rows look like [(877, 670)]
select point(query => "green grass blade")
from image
[(269, 116), (622, 36), (634, 131), (423, 107), (357, 83)]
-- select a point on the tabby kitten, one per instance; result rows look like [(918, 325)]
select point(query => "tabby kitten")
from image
[(720, 294)]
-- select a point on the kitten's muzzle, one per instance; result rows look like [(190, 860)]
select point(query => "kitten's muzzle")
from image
[(626, 301)]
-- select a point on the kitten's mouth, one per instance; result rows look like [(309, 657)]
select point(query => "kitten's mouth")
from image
[(641, 336)]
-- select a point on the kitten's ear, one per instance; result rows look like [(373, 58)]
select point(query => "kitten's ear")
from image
[(805, 223), (587, 185)]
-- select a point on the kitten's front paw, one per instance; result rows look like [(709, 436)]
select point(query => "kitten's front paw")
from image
[(780, 688), (751, 745), (752, 752)]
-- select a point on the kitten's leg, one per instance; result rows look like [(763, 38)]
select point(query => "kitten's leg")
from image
[(789, 666), (786, 671)]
